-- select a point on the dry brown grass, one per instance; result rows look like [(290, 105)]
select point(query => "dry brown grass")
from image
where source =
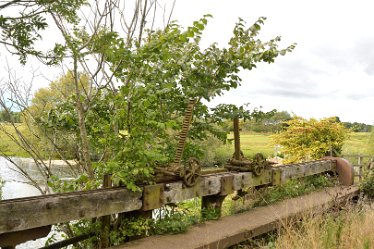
[(352, 228)]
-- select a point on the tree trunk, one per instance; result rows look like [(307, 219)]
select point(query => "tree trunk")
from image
[(81, 124)]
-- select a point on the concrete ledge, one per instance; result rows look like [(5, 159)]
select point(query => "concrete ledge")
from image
[(233, 229)]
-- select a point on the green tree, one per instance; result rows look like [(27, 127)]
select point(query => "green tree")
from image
[(136, 126), (22, 24), (273, 123), (310, 139), (57, 92), (14, 117)]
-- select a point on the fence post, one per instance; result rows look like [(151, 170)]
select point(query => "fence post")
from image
[(211, 206), (105, 220), (359, 163)]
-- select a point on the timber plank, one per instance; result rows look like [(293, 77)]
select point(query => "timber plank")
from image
[(31, 212), (26, 213)]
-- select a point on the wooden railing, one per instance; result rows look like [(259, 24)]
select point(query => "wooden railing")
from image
[(21, 216)]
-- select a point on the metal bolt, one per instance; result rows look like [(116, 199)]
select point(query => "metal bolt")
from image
[(167, 187), (81, 213)]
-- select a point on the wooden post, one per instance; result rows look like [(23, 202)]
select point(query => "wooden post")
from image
[(105, 220), (359, 163), (213, 204), (236, 139)]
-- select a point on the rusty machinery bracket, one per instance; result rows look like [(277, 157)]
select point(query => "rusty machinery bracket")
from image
[(153, 197), (344, 169), (227, 185)]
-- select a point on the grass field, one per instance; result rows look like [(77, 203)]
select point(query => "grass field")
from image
[(251, 143), (7, 145), (358, 143)]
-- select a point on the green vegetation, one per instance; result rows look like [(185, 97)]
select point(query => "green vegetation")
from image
[(347, 229), (357, 127), (357, 143), (14, 117), (352, 229), (8, 146), (124, 121), (123, 118), (218, 153), (268, 195), (305, 140)]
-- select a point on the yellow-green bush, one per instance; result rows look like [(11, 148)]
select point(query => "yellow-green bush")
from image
[(310, 139)]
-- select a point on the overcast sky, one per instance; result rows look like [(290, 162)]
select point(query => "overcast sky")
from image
[(331, 71)]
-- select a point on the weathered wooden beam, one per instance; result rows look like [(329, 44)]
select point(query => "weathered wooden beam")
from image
[(284, 173), (212, 185), (26, 213)]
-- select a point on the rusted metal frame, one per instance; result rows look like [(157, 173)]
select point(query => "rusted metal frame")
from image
[(185, 128)]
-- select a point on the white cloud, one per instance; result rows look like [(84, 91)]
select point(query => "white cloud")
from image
[(331, 71)]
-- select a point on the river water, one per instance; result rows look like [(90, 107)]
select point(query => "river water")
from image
[(16, 185)]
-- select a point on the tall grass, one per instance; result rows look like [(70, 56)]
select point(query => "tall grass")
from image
[(358, 143), (350, 229)]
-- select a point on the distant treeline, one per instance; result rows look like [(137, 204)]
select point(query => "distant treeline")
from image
[(277, 122), (358, 127), (270, 124), (14, 117)]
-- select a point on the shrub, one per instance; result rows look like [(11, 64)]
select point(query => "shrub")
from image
[(310, 139)]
